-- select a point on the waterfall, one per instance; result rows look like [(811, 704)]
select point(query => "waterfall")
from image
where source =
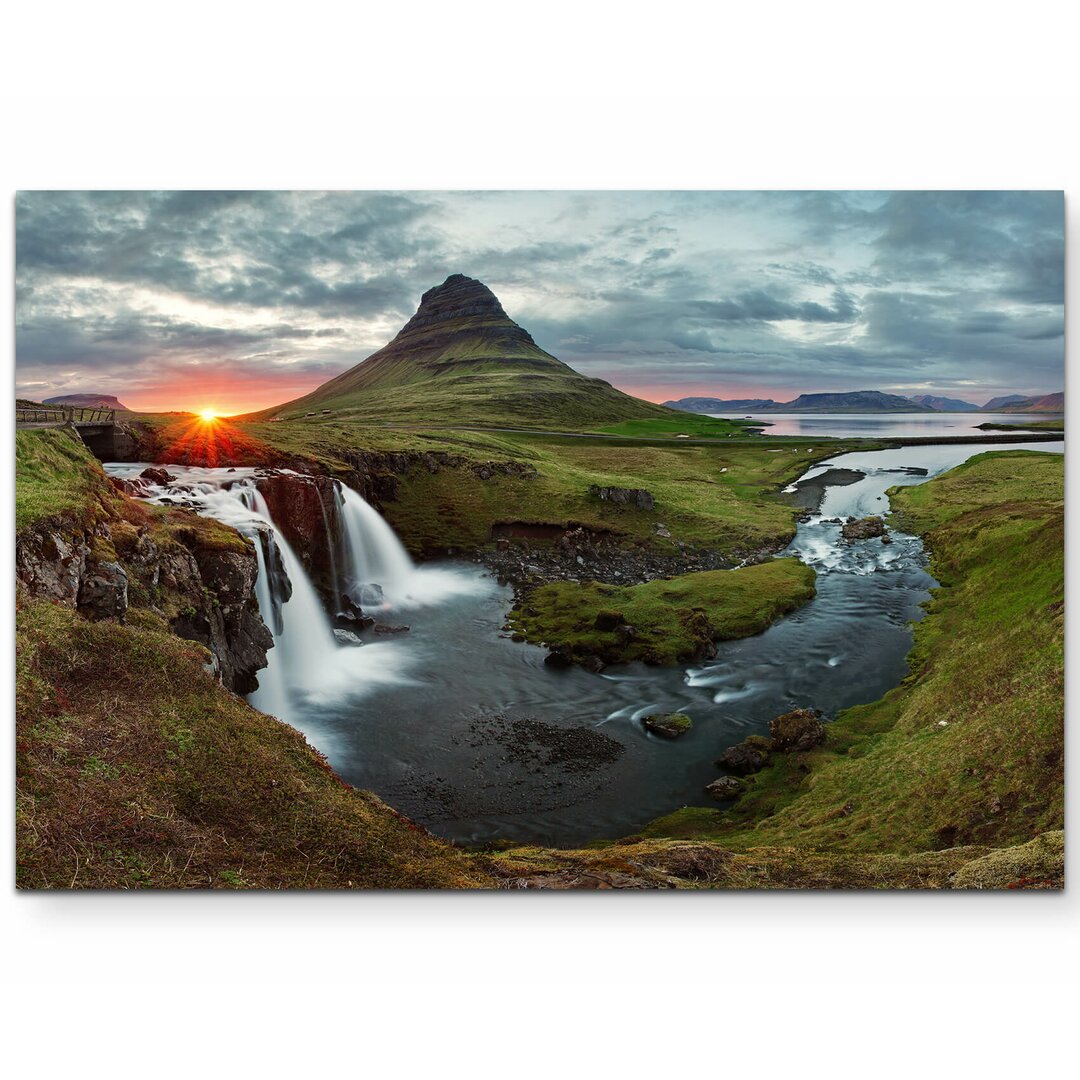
[(373, 553), (307, 666)]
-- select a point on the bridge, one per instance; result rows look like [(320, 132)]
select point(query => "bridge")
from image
[(97, 427)]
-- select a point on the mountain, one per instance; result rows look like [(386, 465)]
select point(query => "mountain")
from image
[(944, 404), (86, 401), (999, 402), (712, 404), (857, 401), (1047, 403), (462, 360)]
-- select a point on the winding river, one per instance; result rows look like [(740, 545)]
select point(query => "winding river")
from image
[(472, 735)]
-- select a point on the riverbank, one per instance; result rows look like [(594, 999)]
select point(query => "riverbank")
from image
[(969, 748)]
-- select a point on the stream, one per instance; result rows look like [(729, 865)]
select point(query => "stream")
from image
[(473, 736)]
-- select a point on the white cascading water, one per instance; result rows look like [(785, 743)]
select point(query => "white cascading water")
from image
[(373, 553), (307, 663)]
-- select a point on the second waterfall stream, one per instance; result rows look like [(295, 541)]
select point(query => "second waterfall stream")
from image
[(368, 563)]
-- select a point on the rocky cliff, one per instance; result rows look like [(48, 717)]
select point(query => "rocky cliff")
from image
[(114, 558)]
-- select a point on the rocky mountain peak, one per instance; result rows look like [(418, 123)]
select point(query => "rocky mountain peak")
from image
[(458, 297)]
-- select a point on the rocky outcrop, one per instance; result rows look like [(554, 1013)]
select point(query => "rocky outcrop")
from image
[(636, 497), (800, 729), (749, 756), (103, 591), (203, 592), (791, 733), (305, 507), (667, 725), (376, 474), (862, 528), (727, 787)]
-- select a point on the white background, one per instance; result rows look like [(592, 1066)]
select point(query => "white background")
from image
[(554, 94)]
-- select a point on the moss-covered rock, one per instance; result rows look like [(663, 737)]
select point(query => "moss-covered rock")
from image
[(667, 725)]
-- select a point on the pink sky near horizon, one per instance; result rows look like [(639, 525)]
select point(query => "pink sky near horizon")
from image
[(230, 393)]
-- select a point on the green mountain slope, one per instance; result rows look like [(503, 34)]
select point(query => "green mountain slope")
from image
[(462, 359)]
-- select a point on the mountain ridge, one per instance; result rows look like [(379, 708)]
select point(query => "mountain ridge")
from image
[(853, 401)]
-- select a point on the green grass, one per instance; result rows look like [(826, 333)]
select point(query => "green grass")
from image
[(55, 474), (1034, 425), (688, 424), (969, 749), (675, 619)]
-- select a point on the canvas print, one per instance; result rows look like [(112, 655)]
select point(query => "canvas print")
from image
[(539, 540)]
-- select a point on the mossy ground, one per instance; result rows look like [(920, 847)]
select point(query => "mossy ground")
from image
[(135, 768), (56, 475), (675, 619), (969, 749)]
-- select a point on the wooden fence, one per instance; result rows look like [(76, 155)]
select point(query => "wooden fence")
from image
[(69, 414)]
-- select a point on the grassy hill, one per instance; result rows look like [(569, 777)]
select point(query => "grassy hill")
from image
[(461, 359)]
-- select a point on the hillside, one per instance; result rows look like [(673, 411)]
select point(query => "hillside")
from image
[(858, 401), (944, 404), (1048, 403), (462, 360), (710, 404), (994, 404), (87, 401)]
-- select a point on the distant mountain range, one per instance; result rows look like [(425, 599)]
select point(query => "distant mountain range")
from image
[(944, 404), (86, 401), (856, 402), (1048, 403), (869, 401)]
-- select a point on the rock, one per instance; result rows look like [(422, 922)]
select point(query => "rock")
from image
[(103, 593), (50, 562), (662, 530), (727, 787), (637, 497), (862, 529), (749, 756), (608, 620), (351, 621), (800, 729), (157, 476), (559, 657), (502, 544), (346, 637), (305, 508), (667, 725), (380, 629)]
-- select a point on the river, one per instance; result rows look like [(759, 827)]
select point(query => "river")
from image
[(472, 735)]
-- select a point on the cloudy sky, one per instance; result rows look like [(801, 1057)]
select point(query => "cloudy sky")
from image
[(177, 300)]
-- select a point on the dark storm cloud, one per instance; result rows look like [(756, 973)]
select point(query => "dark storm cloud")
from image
[(797, 290)]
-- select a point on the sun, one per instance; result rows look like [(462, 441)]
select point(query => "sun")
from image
[(208, 416)]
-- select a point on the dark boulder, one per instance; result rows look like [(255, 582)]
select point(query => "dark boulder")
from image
[(157, 476), (749, 756), (667, 725), (863, 528), (559, 657), (608, 620), (727, 787), (801, 729), (103, 592)]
